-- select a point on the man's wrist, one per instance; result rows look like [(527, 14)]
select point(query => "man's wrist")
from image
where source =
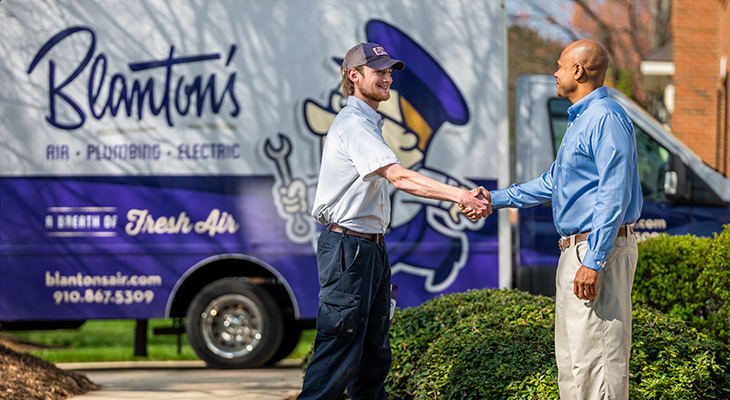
[(593, 261), (499, 197)]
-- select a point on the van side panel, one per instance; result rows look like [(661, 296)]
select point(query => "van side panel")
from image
[(143, 141), (122, 256)]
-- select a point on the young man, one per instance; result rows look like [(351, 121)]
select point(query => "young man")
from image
[(352, 348), (596, 196)]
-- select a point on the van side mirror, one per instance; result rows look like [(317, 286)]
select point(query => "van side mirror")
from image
[(670, 183), (677, 185), (684, 186)]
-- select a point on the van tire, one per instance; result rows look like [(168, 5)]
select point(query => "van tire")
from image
[(290, 340), (234, 324)]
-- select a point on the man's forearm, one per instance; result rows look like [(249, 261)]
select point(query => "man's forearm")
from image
[(420, 185)]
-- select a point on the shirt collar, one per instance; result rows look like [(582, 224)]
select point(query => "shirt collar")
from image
[(581, 105), (363, 107)]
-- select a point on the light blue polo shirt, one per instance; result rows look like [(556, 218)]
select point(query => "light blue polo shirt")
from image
[(350, 192)]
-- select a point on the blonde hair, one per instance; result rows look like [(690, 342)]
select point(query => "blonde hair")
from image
[(348, 88)]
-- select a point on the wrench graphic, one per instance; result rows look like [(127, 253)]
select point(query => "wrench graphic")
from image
[(280, 157)]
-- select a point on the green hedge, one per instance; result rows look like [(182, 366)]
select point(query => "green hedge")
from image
[(482, 336), (715, 278), (671, 360), (687, 277), (498, 344)]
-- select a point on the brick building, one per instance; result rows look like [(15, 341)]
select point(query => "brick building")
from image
[(692, 72)]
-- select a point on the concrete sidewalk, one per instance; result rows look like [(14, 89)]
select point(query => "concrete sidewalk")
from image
[(188, 380)]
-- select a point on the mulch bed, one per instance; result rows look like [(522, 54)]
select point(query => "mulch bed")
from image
[(26, 377)]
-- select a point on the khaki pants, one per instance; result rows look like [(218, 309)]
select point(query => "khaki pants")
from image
[(593, 338)]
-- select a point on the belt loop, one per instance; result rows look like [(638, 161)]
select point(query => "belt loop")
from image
[(329, 227), (572, 240)]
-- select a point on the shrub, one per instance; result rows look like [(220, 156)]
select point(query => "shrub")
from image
[(478, 322), (498, 344), (667, 272), (474, 360), (671, 360), (687, 277), (715, 279)]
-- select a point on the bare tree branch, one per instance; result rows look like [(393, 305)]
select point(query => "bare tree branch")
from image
[(634, 33), (549, 18)]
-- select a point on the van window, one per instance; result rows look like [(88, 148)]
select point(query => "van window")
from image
[(558, 110), (652, 165), (652, 156)]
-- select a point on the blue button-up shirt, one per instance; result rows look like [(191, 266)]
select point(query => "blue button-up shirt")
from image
[(594, 182)]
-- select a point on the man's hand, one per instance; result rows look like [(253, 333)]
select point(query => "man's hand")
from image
[(478, 205), (585, 283), (478, 193)]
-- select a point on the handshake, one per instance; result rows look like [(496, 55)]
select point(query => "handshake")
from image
[(477, 203)]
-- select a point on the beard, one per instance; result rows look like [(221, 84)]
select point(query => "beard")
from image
[(374, 95)]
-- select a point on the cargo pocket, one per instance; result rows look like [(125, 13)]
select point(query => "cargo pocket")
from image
[(337, 315)]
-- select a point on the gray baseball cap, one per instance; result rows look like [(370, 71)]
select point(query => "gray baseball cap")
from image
[(372, 55)]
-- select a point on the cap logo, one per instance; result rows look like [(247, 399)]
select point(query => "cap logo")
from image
[(379, 51)]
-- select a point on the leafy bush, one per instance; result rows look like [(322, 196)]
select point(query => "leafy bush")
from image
[(715, 279), (687, 277), (498, 344), (463, 336), (666, 276), (476, 361), (670, 360)]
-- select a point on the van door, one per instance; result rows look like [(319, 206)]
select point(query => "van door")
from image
[(681, 194)]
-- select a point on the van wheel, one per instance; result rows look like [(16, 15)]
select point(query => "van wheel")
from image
[(234, 324), (289, 341)]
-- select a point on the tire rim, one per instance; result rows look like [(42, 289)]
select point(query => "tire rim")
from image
[(232, 326)]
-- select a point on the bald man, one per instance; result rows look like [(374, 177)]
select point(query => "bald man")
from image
[(596, 197)]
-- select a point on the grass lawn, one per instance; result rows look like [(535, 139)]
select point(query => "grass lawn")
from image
[(113, 340)]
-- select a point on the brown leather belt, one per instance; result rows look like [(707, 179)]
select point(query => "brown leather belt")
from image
[(375, 237), (565, 242)]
